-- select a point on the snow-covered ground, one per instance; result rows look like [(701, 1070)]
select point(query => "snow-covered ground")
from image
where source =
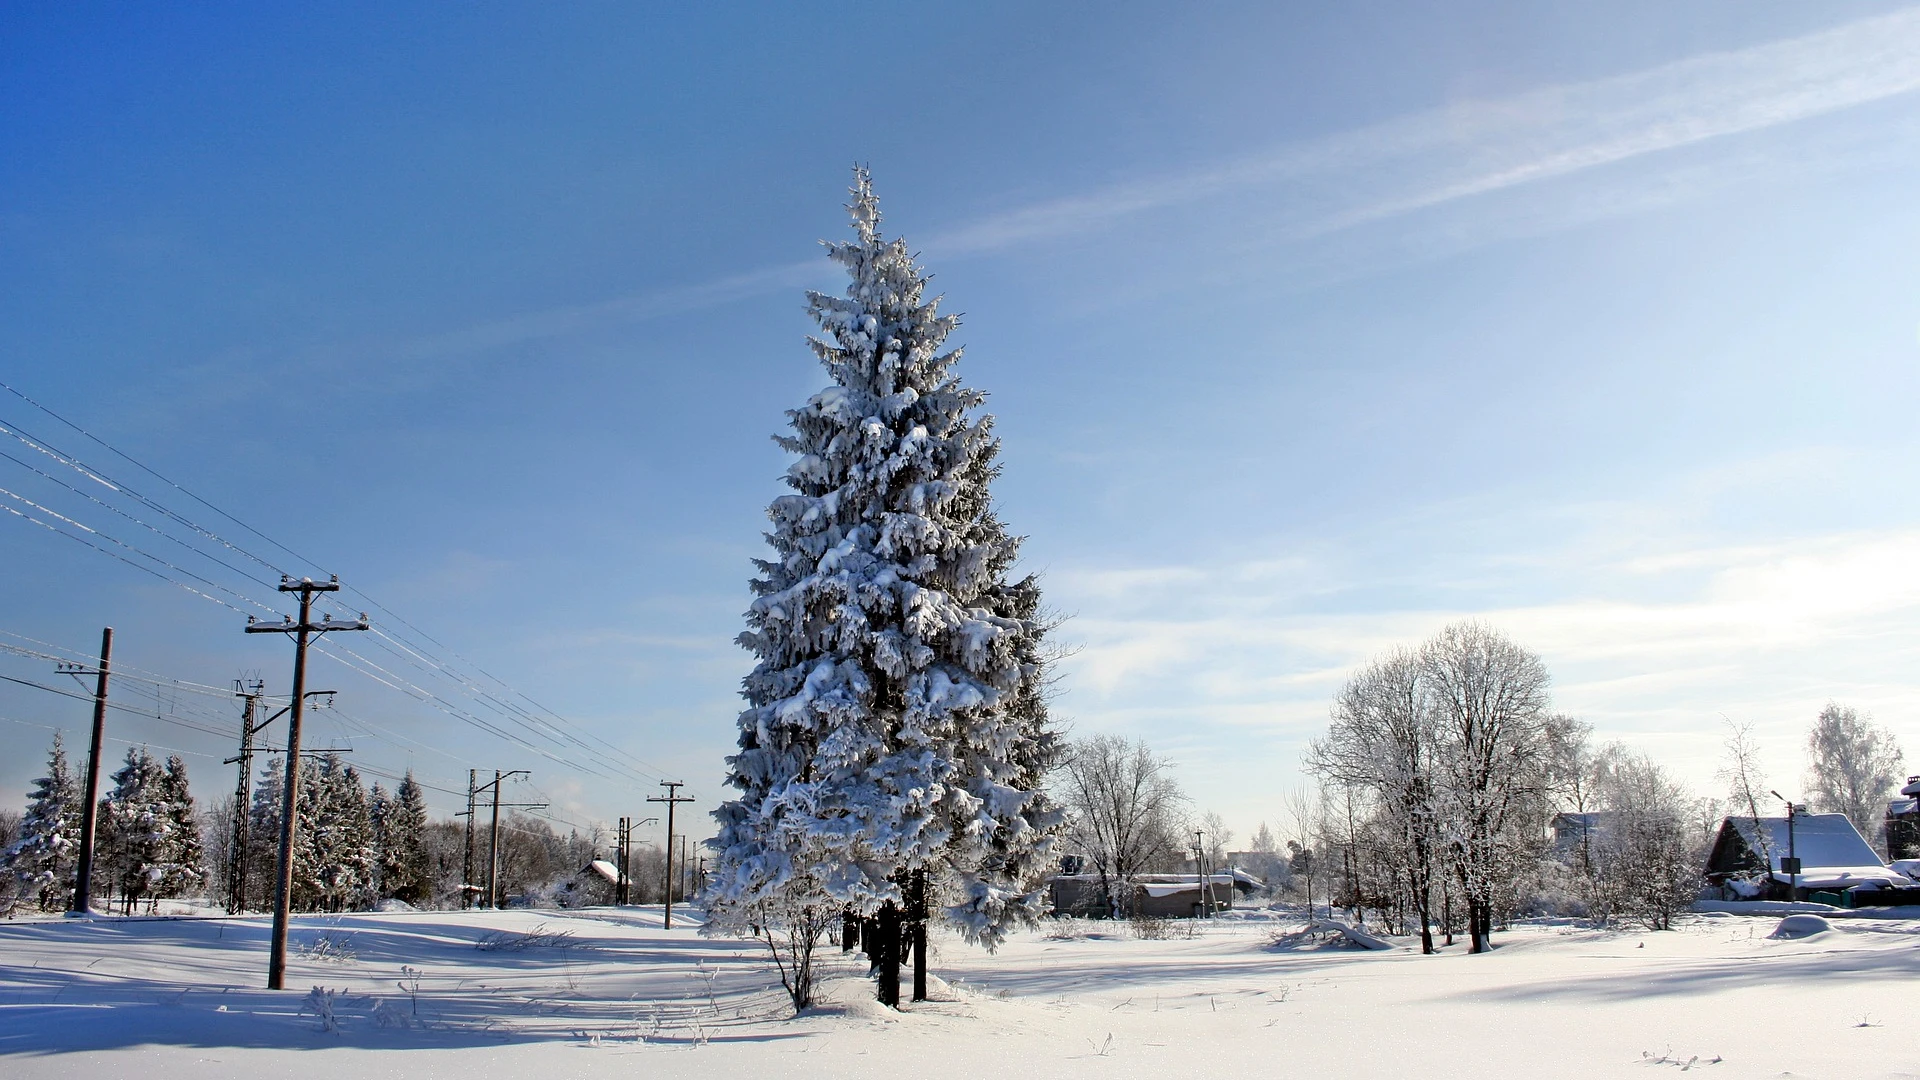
[(608, 992)]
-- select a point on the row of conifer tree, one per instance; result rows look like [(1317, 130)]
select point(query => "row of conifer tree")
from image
[(357, 845)]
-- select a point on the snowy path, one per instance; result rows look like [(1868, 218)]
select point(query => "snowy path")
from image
[(416, 996)]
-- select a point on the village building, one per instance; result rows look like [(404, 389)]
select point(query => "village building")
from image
[(1754, 859), (1175, 896)]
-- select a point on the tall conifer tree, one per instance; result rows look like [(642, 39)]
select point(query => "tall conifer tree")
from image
[(137, 827), (404, 872), (896, 722), (263, 833), (42, 859), (182, 858)]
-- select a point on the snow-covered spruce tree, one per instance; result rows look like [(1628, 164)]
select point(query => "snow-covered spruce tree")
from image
[(42, 859), (896, 723), (263, 834), (182, 866), (404, 871), (137, 826), (379, 812), (335, 859)]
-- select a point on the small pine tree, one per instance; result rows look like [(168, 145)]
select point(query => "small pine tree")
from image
[(138, 827), (379, 813), (404, 870), (42, 859), (896, 723), (334, 869), (182, 869), (263, 834)]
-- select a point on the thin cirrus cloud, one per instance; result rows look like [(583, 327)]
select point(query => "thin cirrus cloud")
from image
[(1473, 148), (1339, 182)]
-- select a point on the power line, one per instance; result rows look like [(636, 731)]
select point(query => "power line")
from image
[(541, 723)]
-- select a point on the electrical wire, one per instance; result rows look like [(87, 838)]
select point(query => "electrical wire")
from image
[(545, 725)]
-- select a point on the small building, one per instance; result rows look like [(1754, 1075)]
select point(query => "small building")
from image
[(1178, 896), (1575, 835), (1748, 858)]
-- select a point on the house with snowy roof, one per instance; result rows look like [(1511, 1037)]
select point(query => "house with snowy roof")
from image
[(1753, 858), (1576, 834)]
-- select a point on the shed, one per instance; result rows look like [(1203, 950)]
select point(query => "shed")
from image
[(1158, 895)]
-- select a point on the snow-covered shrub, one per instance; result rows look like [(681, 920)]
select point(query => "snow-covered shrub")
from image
[(1066, 928), (324, 1004), (1150, 927), (334, 948)]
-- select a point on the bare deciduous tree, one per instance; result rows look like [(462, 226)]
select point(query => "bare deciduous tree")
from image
[(1490, 700), (1853, 765), (1216, 836), (1124, 809), (790, 921), (1383, 740), (1745, 777), (1645, 864)]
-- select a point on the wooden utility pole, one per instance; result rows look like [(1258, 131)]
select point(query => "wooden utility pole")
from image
[(672, 798), (493, 839), (624, 891), (493, 833), (83, 874), (302, 632)]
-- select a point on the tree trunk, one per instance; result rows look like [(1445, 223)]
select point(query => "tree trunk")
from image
[(1422, 901), (849, 931), (917, 910), (887, 940)]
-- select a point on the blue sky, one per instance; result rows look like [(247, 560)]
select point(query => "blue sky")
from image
[(1307, 330)]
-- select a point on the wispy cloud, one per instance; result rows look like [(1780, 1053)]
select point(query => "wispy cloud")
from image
[(1333, 184), (1476, 147)]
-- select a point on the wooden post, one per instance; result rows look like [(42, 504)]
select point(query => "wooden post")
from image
[(83, 874), (290, 802)]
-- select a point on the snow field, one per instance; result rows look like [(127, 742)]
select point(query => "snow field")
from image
[(608, 992)]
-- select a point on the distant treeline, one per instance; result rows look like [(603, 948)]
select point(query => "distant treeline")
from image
[(358, 846)]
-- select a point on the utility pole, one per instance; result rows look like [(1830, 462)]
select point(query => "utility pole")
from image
[(493, 834), (237, 864), (83, 875), (624, 891), (302, 632), (1791, 864), (672, 798), (467, 887), (1200, 872), (237, 855), (624, 888), (620, 862)]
